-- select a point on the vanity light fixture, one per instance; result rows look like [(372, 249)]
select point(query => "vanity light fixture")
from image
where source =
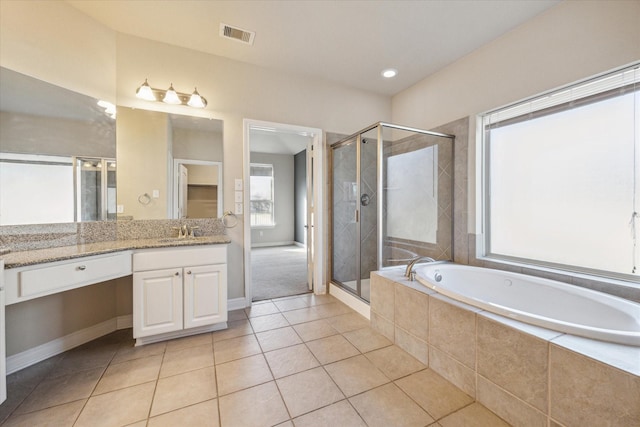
[(170, 96)]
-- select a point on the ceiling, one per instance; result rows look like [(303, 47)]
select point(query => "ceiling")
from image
[(347, 42)]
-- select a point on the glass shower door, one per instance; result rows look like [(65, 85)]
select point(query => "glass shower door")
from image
[(344, 204), (368, 207)]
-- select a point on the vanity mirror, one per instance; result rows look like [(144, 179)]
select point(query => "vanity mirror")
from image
[(57, 153), (169, 165)]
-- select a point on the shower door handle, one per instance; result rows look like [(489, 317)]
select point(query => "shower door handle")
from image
[(365, 199), (357, 212)]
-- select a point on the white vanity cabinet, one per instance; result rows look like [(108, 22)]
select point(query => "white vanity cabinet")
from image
[(179, 291)]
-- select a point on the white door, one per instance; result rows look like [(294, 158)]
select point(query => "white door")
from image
[(157, 301), (310, 210), (3, 360), (183, 190), (205, 295)]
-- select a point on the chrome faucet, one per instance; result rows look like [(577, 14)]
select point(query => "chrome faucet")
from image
[(410, 272)]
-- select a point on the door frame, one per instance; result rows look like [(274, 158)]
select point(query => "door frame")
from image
[(318, 153)]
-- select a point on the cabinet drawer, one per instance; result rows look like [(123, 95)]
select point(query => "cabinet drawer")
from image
[(47, 279), (154, 259)]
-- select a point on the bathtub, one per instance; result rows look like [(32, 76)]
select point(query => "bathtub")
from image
[(541, 302)]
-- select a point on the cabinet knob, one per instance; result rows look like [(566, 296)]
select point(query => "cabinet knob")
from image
[(189, 272), (82, 267), (177, 274)]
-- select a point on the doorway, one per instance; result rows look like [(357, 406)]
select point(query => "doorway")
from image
[(281, 198)]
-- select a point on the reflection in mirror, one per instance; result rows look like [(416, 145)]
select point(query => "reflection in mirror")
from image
[(195, 189), (47, 134), (153, 148)]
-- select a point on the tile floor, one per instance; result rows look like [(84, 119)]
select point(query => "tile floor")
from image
[(297, 361)]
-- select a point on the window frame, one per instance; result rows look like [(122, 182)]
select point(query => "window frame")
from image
[(484, 126), (273, 196)]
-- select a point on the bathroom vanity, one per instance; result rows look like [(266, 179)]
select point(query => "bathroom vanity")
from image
[(178, 292), (179, 285)]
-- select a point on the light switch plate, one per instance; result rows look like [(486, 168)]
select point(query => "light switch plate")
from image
[(238, 196), (238, 184), (238, 209)]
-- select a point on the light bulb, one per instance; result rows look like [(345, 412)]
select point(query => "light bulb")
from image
[(145, 92), (196, 100), (171, 96)]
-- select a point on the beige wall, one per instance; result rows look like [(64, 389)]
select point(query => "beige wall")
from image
[(144, 141), (572, 41)]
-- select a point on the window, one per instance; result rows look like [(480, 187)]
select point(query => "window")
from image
[(261, 195), (561, 178)]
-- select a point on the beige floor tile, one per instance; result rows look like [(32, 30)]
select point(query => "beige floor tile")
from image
[(270, 321), (191, 341), (308, 391), (256, 406), (394, 362), (314, 330), (285, 424), (203, 414), (433, 393), (235, 348), (183, 390), (331, 349), (313, 299), (126, 374), (242, 373), (84, 359), (131, 352), (234, 315), (348, 322), (185, 360), (301, 315), (474, 415), (389, 406), (338, 414), (56, 416), (261, 309), (332, 309), (291, 304), (278, 338), (234, 329), (366, 339), (59, 390), (290, 360), (356, 375), (118, 408)]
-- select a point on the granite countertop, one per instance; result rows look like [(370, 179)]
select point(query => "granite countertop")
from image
[(61, 253)]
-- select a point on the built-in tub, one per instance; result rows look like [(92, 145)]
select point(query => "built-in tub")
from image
[(541, 302)]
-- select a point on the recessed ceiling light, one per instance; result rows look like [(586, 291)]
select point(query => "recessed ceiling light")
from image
[(389, 73)]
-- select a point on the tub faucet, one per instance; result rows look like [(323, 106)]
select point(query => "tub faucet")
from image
[(410, 272)]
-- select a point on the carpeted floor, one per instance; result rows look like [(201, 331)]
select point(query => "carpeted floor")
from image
[(278, 271)]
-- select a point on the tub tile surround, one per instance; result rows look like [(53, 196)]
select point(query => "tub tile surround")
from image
[(527, 375)]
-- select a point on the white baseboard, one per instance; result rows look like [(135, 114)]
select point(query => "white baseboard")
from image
[(124, 322), (270, 244), (237, 304), (37, 354), (353, 302)]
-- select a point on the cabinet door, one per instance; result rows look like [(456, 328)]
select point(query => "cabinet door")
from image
[(157, 301), (205, 295)]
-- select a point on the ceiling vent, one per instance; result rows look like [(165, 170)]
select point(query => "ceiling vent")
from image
[(237, 34)]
